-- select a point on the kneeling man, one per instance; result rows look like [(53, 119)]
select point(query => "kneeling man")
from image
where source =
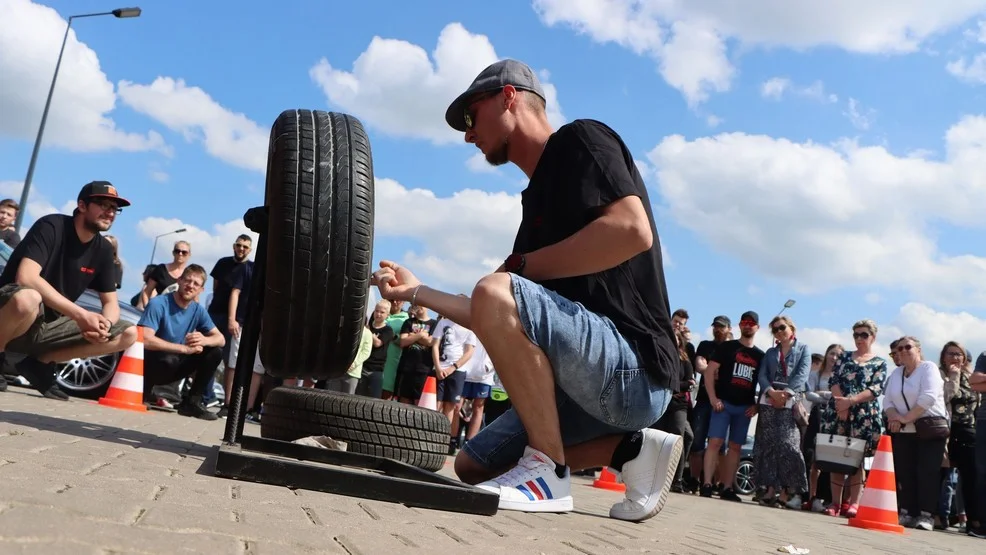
[(576, 321), (59, 258), (181, 341)]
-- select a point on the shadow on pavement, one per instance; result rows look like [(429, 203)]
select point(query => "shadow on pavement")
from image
[(110, 434)]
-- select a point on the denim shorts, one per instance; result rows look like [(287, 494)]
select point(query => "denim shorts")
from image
[(732, 422), (600, 387)]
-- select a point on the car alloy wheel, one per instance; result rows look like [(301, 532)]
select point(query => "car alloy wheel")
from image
[(86, 375), (744, 483)]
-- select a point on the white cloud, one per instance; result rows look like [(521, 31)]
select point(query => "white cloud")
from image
[(688, 39), (30, 37), (860, 118), (477, 163), (775, 87), (816, 204), (207, 245), (712, 120), (873, 298), (973, 71), (461, 237), (229, 136), (159, 176), (396, 88)]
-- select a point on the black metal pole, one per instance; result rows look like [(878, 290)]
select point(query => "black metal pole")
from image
[(37, 140), (256, 220)]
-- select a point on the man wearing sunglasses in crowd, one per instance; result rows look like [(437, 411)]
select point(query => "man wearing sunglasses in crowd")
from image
[(576, 321), (59, 258)]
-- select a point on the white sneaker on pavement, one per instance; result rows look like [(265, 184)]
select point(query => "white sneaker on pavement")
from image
[(649, 477), (532, 486)]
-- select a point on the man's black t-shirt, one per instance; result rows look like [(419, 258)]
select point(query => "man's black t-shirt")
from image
[(585, 166), (10, 237), (67, 264), (221, 273), (738, 371), (240, 279), (707, 350), (416, 358), (378, 356)]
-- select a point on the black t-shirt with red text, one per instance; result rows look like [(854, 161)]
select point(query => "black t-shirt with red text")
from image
[(738, 371), (67, 264), (416, 358), (585, 167)]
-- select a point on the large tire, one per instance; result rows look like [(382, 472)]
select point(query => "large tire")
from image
[(319, 244), (397, 431)]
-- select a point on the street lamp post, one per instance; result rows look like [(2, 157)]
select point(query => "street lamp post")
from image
[(787, 305), (153, 250), (118, 13)]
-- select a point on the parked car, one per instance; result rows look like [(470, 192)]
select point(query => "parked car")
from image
[(745, 483), (84, 377)]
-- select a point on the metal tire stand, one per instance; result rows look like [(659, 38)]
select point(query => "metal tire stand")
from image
[(282, 463)]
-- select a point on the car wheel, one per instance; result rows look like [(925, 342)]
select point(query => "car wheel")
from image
[(410, 434), (319, 244), (744, 483), (87, 377)]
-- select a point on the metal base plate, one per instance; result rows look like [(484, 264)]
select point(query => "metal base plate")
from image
[(281, 463)]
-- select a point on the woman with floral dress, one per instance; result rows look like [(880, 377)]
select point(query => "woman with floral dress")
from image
[(854, 409)]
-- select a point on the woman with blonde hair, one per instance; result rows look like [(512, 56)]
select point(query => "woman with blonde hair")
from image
[(961, 402), (783, 375), (854, 409)]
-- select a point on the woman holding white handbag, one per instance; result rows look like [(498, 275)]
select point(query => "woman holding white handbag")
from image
[(918, 421), (852, 416)]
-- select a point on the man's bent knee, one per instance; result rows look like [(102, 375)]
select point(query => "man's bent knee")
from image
[(23, 305), (128, 337), (468, 470), (492, 292)]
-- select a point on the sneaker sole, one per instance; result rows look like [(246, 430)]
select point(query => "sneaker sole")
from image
[(560, 505), (667, 464)]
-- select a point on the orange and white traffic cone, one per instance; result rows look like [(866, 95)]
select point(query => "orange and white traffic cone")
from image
[(429, 395), (608, 480), (127, 388), (878, 505)]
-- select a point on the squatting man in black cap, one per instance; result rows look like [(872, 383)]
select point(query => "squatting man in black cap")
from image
[(576, 320), (59, 258)]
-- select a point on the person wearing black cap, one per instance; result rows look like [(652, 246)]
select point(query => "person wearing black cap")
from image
[(702, 411), (731, 382), (576, 321), (59, 258)]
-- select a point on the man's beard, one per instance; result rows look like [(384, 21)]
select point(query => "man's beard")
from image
[(748, 333), (239, 258), (499, 156), (95, 226)]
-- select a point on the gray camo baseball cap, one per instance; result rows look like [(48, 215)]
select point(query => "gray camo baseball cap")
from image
[(494, 77)]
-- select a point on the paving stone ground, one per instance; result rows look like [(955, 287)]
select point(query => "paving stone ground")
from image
[(80, 478)]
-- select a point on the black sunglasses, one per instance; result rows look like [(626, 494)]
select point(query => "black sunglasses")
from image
[(469, 114), (179, 251), (861, 335), (780, 328), (902, 348)]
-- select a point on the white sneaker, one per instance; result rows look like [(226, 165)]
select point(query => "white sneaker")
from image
[(794, 503), (649, 476), (818, 506), (532, 486), (924, 522)]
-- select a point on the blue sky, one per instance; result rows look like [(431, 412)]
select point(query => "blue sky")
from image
[(808, 150)]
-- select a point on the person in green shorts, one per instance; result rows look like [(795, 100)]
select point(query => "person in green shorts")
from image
[(395, 321)]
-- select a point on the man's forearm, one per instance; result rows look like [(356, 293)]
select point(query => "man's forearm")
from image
[(154, 343), (111, 312), (605, 243), (453, 307)]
